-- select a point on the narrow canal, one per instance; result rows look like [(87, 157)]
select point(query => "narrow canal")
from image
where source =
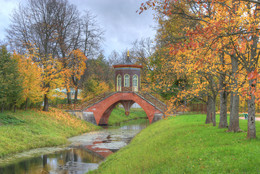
[(84, 153)]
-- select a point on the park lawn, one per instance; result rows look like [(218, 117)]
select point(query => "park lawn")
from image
[(31, 129), (184, 144), (118, 115)]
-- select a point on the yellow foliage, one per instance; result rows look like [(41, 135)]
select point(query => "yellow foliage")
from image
[(74, 69), (94, 88), (32, 79)]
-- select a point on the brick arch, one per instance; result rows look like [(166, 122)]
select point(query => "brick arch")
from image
[(103, 109)]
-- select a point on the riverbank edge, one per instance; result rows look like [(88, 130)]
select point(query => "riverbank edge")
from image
[(40, 129), (116, 116), (185, 144)]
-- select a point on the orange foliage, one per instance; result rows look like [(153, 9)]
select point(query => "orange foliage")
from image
[(221, 27)]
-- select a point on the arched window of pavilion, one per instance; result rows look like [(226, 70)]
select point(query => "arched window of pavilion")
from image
[(119, 82), (127, 80), (135, 83)]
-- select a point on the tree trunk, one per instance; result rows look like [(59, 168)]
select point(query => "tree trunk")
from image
[(223, 110), (223, 97), (46, 103), (2, 108), (15, 107), (213, 112), (245, 107), (209, 110), (251, 131), (69, 96), (231, 103), (26, 104), (76, 95), (234, 112)]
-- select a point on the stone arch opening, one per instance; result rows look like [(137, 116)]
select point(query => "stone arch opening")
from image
[(127, 104), (102, 110)]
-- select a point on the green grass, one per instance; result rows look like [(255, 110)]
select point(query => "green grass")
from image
[(184, 144), (8, 119), (26, 130), (118, 115)]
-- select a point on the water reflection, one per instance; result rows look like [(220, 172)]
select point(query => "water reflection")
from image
[(62, 162), (84, 153), (109, 140), (133, 127)]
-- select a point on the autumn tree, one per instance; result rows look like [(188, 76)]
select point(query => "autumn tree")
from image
[(54, 28), (175, 39), (67, 37), (234, 25), (33, 28), (31, 79), (76, 32), (76, 66), (239, 30), (89, 38)]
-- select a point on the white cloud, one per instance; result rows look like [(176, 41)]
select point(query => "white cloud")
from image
[(118, 18), (6, 8)]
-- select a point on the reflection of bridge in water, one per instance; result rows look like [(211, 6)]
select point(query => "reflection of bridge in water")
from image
[(127, 86)]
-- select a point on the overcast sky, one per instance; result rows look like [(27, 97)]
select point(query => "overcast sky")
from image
[(118, 18)]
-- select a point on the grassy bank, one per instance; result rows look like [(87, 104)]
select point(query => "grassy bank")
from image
[(26, 130), (118, 115), (184, 144)]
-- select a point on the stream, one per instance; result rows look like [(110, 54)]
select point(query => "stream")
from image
[(84, 153)]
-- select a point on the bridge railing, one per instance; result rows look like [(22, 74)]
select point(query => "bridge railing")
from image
[(69, 106), (96, 99), (154, 100), (145, 95), (81, 106)]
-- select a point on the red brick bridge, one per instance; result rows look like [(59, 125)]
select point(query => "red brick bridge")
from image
[(127, 85), (99, 109)]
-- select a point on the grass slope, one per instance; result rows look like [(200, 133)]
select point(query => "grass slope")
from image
[(118, 115), (26, 130), (184, 144)]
